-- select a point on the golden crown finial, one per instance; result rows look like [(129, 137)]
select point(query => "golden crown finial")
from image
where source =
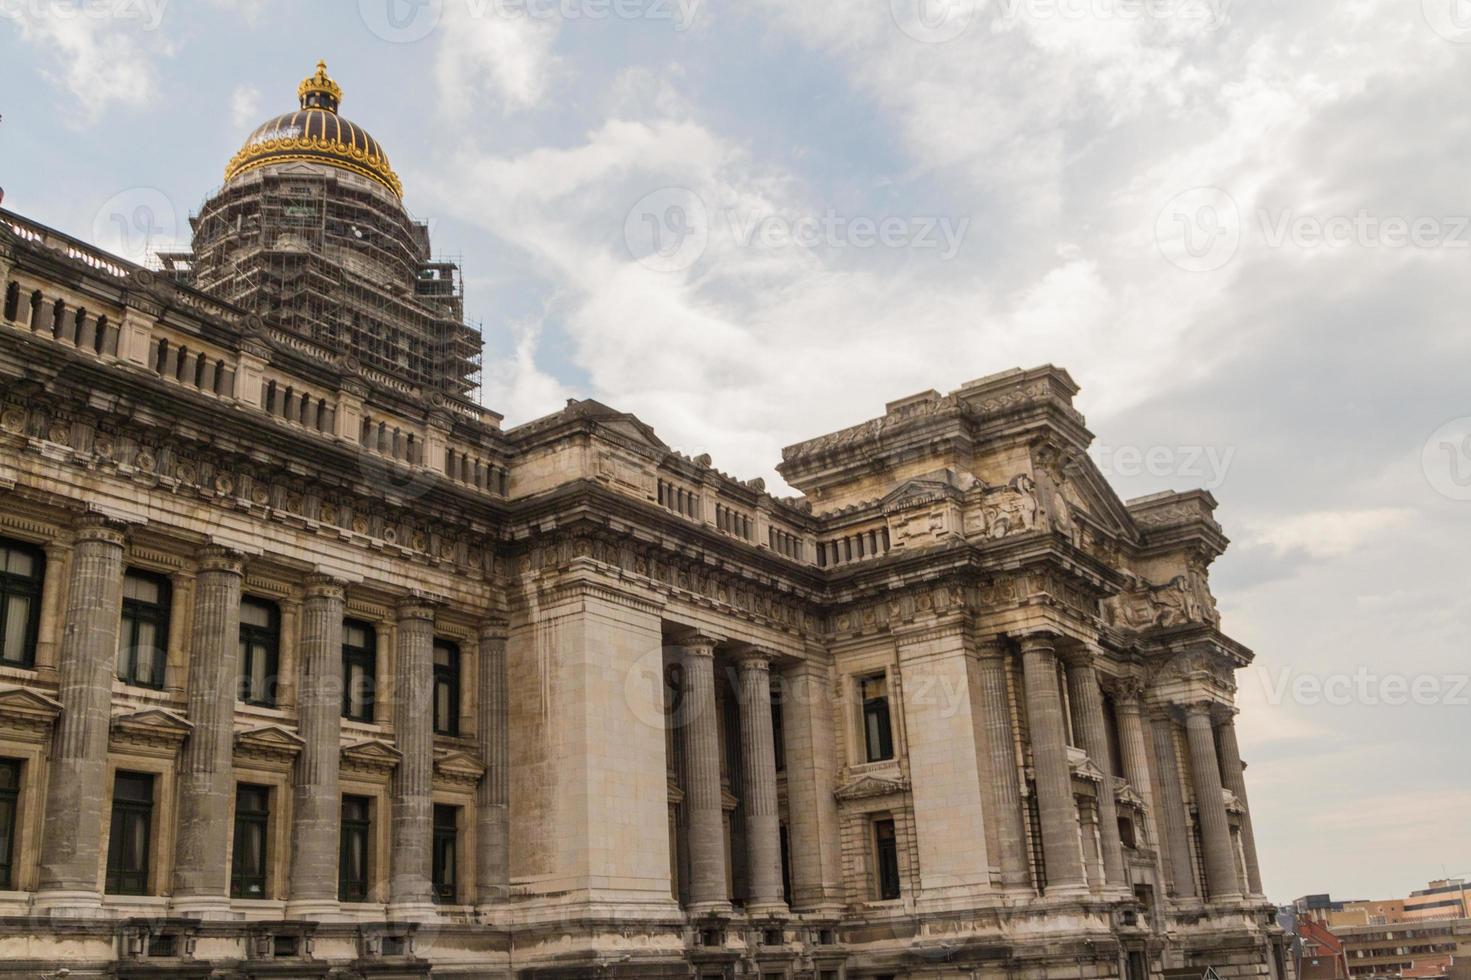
[(320, 91)]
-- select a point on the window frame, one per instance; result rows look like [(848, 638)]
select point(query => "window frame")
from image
[(366, 658), (253, 821), (886, 860), (445, 854), (126, 813), (136, 613), (9, 819), (876, 709), (447, 676), (268, 639), (29, 587), (349, 889)]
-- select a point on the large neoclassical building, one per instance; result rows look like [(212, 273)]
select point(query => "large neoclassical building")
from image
[(310, 668)]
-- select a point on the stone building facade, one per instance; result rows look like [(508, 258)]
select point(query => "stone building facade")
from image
[(311, 668)]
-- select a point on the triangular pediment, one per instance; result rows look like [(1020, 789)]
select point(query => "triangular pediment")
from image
[(622, 424), (153, 720), (371, 754), (269, 738), (865, 787), (457, 766), (922, 491), (1087, 770), (1087, 492), (22, 700)]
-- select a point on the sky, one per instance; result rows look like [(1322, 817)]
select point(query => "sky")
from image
[(1243, 226)]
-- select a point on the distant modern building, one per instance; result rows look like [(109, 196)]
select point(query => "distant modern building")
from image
[(1412, 949), (1444, 899)]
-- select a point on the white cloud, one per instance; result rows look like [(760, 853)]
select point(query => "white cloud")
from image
[(100, 57), (245, 106), (487, 54)]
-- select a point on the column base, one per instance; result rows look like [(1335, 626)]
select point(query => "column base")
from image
[(701, 910), (201, 907), (413, 912), (315, 909), (768, 910), (63, 904)]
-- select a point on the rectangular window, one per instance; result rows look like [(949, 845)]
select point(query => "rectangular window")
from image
[(143, 638), (878, 737), (260, 651), (252, 823), (9, 810), (886, 859), (357, 827), (446, 853), (21, 571), (446, 688), (359, 670), (130, 839)]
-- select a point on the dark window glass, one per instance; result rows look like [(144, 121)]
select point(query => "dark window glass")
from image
[(129, 841), (786, 867), (886, 850), (446, 688), (878, 738), (359, 664), (357, 829), (446, 853), (260, 651), (143, 637), (21, 572), (252, 823), (778, 730), (9, 807)]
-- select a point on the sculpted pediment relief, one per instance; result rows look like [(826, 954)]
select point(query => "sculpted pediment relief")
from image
[(1125, 794), (1183, 600), (1005, 510), (867, 787), (1083, 768), (922, 492)]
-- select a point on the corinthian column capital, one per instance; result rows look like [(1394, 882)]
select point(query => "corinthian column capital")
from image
[(216, 558), (324, 587), (98, 528)]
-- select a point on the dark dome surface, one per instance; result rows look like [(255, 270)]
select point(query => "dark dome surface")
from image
[(315, 133)]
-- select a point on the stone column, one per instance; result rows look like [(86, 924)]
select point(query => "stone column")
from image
[(1176, 831), (1003, 787), (77, 775), (706, 820), (1136, 765), (1059, 812), (813, 838), (1215, 827), (317, 811), (410, 887), (207, 773), (1233, 774), (758, 787), (1092, 728), (493, 862)]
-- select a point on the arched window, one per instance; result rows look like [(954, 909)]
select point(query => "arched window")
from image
[(12, 301), (101, 340)]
